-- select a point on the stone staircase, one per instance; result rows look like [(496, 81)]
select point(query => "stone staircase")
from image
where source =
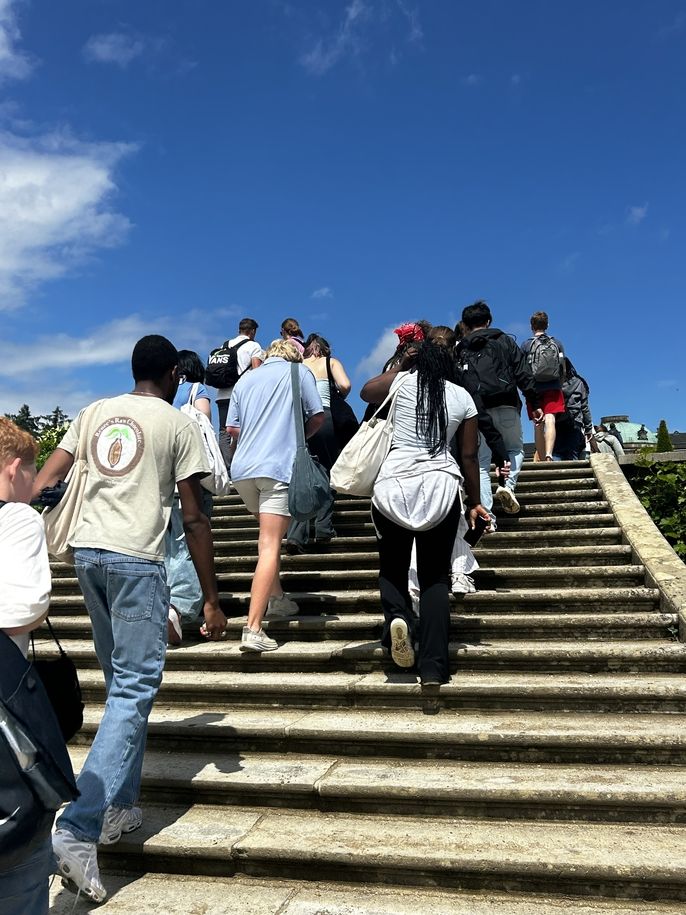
[(309, 780)]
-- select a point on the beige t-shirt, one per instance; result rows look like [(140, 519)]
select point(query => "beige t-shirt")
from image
[(138, 448)]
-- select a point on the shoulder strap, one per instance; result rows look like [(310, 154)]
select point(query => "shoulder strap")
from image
[(2, 502), (329, 373), (297, 405), (238, 345), (390, 399), (193, 394)]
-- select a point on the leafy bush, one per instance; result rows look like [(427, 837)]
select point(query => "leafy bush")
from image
[(48, 440), (661, 487)]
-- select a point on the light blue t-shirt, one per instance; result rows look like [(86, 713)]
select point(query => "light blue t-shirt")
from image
[(184, 393), (261, 407)]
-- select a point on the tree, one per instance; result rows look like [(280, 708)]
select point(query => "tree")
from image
[(56, 419), (25, 420), (664, 442)]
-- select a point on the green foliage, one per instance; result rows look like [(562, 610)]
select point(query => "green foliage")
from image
[(25, 420), (664, 442), (49, 439), (661, 487)]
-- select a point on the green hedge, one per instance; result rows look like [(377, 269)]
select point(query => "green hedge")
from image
[(661, 487)]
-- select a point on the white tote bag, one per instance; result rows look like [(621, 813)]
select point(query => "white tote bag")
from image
[(359, 463), (60, 522), (217, 482)]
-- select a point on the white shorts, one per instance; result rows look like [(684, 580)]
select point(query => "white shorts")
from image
[(262, 494)]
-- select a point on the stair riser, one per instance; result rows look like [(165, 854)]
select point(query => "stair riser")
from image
[(213, 740), (159, 792), (305, 700), (300, 866)]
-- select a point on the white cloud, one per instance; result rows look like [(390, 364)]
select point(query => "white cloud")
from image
[(64, 357), (319, 316), (473, 79), (374, 361), (636, 215), (118, 48), (568, 263), (14, 64), (55, 208), (357, 32), (324, 293)]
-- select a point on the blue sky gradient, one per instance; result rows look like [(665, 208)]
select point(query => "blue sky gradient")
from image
[(171, 166)]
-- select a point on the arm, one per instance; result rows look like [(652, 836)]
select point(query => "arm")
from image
[(467, 443), (255, 362), (199, 539), (522, 373), (340, 378), (55, 468), (204, 406), (314, 424), (377, 388)]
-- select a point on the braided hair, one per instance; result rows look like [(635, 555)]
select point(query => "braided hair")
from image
[(434, 365)]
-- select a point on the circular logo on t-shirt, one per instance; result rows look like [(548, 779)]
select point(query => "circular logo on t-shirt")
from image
[(117, 446)]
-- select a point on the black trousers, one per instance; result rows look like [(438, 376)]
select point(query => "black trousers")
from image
[(223, 439), (434, 548)]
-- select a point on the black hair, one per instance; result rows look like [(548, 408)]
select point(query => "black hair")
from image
[(321, 344), (153, 356), (476, 315), (402, 348), (190, 366), (247, 326), (435, 365)]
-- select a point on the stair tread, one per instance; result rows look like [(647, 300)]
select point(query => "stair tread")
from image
[(492, 682), (595, 851), (172, 894), (487, 728), (434, 780)]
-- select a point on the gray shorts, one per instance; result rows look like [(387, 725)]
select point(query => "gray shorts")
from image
[(262, 494)]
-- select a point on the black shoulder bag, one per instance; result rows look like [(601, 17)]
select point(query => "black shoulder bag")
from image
[(345, 423), (61, 682)]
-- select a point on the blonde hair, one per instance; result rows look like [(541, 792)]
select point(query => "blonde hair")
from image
[(285, 350), (16, 443)]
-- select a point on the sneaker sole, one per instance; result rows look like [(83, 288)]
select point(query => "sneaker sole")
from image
[(255, 649), (401, 650), (509, 503), (124, 831), (69, 884)]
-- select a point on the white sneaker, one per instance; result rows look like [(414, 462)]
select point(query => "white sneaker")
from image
[(463, 584), (507, 499), (77, 862), (119, 820), (256, 641), (280, 608), (402, 651)]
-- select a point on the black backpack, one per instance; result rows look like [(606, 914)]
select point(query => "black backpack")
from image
[(222, 366), (485, 370)]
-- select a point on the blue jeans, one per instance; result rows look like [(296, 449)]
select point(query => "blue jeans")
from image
[(184, 586), (24, 887), (508, 422), (128, 601)]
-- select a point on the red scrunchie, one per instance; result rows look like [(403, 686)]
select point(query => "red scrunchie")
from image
[(409, 333)]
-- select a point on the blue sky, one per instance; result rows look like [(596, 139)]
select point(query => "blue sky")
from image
[(171, 166)]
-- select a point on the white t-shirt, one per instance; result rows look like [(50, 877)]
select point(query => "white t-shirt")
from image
[(138, 448), (24, 569), (415, 488), (244, 357), (459, 406)]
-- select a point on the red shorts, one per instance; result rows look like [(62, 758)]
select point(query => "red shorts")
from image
[(551, 402)]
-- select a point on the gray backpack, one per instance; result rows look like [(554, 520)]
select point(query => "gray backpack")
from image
[(545, 359)]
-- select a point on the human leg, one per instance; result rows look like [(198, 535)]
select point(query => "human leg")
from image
[(508, 422), (266, 580), (223, 438), (433, 556), (485, 484), (137, 596), (395, 547), (549, 434)]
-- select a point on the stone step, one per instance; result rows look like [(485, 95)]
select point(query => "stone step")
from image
[(440, 788), (173, 894), (487, 579), (506, 736), (468, 627), (521, 600), (568, 655), (630, 692), (539, 856)]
